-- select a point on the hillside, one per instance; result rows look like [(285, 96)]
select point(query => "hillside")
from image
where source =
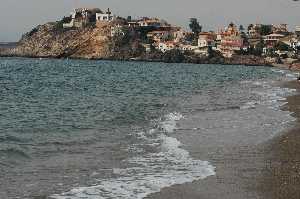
[(50, 40)]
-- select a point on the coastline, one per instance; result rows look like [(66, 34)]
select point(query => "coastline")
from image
[(240, 168), (281, 176), (227, 61), (270, 170)]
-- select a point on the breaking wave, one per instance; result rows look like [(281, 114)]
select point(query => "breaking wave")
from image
[(150, 172)]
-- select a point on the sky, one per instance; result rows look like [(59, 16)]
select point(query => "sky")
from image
[(20, 16)]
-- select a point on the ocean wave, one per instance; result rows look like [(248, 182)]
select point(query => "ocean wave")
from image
[(11, 138), (288, 74), (273, 97), (13, 153), (150, 172)]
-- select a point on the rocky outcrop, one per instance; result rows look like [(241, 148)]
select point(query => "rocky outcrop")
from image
[(246, 60), (176, 56), (49, 40), (95, 42), (91, 42), (295, 66)]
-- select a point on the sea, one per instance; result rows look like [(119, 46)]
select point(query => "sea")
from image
[(73, 129)]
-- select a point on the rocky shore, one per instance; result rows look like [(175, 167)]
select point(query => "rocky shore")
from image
[(95, 42)]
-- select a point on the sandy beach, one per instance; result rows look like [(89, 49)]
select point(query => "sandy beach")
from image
[(281, 177), (269, 170)]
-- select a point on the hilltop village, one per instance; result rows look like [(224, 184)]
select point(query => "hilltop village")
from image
[(97, 34)]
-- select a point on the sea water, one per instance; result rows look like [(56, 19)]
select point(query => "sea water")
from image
[(73, 129)]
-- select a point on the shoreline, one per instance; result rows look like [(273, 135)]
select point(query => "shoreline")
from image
[(270, 170), (227, 62), (281, 176), (242, 171)]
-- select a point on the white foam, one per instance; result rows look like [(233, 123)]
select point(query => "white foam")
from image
[(291, 75), (169, 125), (249, 105), (270, 96), (279, 71), (149, 172), (288, 74)]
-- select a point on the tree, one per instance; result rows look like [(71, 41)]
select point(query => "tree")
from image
[(231, 25), (66, 19), (250, 26), (258, 49), (196, 29), (195, 26), (244, 37), (265, 30), (281, 46), (189, 37), (241, 28), (129, 18)]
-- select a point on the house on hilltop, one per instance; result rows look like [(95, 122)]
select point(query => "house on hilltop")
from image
[(166, 46), (159, 35), (292, 41), (231, 41), (149, 22), (272, 39), (81, 17), (297, 31), (206, 42), (107, 16), (206, 39), (254, 31)]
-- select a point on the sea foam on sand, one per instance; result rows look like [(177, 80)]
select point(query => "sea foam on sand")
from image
[(151, 171)]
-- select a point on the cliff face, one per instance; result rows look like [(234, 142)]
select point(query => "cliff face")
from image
[(51, 41)]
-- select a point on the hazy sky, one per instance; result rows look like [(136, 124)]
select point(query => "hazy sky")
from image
[(19, 16)]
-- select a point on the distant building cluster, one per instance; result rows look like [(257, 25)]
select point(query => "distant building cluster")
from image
[(82, 17), (159, 35)]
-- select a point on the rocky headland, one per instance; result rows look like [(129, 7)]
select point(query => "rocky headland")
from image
[(95, 41)]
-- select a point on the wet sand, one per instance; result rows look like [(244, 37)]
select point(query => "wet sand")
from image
[(281, 178), (270, 170)]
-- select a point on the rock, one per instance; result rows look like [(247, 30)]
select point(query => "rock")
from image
[(250, 60), (51, 41), (295, 66)]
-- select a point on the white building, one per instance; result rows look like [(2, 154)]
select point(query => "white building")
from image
[(272, 39), (82, 12), (206, 39), (166, 46), (81, 17), (179, 35), (202, 51), (297, 30), (184, 47), (108, 16), (149, 22)]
